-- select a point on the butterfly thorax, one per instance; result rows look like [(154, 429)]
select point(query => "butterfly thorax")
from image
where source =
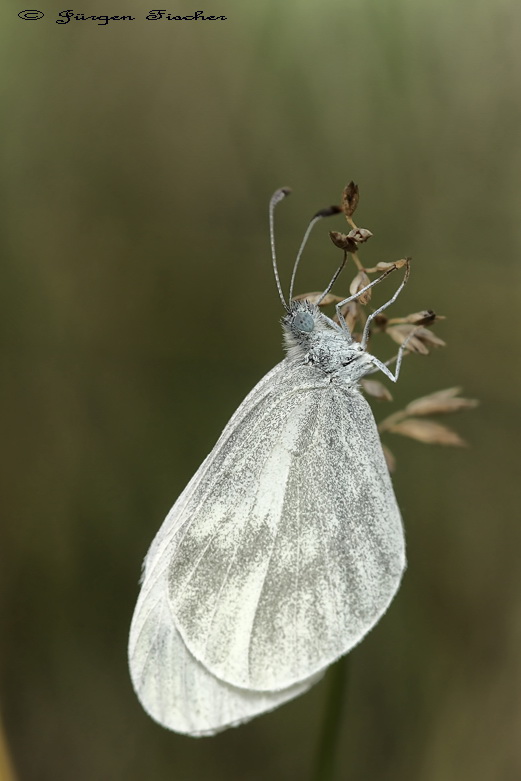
[(313, 339)]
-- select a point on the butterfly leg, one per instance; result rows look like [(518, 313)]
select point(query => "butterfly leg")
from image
[(339, 306), (380, 365), (365, 335)]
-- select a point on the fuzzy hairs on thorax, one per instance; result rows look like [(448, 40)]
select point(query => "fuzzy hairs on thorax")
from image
[(312, 338)]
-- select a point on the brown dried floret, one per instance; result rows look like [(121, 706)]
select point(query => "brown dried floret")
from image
[(427, 431), (384, 266), (440, 403), (390, 460), (419, 342), (360, 235), (314, 297), (358, 283), (426, 317), (350, 199), (343, 241), (376, 389)]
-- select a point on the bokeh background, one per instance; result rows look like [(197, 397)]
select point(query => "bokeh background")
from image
[(138, 308)]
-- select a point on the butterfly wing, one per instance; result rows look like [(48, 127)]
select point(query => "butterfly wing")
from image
[(287, 546), (175, 689)]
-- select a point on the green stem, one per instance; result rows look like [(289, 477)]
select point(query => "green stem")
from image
[(327, 748)]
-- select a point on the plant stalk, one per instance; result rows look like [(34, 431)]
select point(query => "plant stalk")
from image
[(325, 763)]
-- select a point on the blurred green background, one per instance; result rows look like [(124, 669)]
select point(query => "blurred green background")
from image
[(138, 308)]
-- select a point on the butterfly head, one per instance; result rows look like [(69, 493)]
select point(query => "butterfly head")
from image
[(303, 324)]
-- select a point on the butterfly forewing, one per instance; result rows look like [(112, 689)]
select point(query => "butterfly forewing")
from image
[(173, 687), (289, 546)]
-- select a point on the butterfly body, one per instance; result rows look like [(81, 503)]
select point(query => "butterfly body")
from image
[(312, 338)]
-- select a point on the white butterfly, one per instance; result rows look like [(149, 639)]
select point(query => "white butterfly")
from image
[(285, 548)]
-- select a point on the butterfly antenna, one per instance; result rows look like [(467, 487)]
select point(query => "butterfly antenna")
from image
[(333, 280), (316, 218), (276, 198)]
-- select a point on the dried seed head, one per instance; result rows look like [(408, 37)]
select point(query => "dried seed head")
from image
[(399, 334), (419, 340), (389, 459), (329, 298), (343, 241), (401, 263), (376, 389), (360, 235), (358, 283), (380, 321), (350, 199), (440, 403), (427, 431), (427, 317), (382, 266), (428, 337)]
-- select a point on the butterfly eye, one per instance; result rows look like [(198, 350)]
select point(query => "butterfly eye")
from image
[(303, 321)]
